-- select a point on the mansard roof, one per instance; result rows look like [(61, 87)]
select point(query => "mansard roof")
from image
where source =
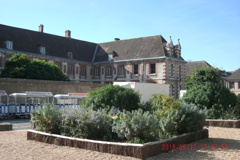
[(235, 75), (129, 49), (192, 65), (30, 41)]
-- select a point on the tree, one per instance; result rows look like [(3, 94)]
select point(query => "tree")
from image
[(113, 95), (204, 89), (20, 66)]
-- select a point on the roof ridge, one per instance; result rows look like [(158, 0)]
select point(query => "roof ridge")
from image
[(45, 33), (132, 39)]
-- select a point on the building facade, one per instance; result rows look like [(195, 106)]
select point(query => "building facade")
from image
[(233, 82), (145, 59)]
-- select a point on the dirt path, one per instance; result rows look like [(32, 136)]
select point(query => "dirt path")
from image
[(14, 145)]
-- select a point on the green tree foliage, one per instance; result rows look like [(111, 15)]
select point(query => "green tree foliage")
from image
[(20, 66), (113, 95), (204, 89)]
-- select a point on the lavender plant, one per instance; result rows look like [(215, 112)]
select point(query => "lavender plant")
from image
[(136, 125), (46, 119), (86, 123)]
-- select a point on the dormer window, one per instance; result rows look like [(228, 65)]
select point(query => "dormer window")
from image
[(42, 50), (9, 44), (70, 55), (110, 57)]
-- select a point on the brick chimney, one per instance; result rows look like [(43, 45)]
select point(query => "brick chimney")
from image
[(40, 28), (68, 33)]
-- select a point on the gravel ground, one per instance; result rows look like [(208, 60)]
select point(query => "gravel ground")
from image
[(14, 145)]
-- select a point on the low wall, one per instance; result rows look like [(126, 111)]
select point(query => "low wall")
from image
[(141, 151), (5, 126), (223, 123), (11, 85)]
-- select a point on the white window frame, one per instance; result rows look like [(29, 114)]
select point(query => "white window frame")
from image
[(9, 44), (151, 69), (109, 71), (97, 71), (82, 70), (121, 70), (135, 68), (42, 50)]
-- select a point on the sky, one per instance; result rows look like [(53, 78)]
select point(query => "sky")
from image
[(208, 29)]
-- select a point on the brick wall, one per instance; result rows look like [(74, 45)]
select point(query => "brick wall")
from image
[(56, 87)]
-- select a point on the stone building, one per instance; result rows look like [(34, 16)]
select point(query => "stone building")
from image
[(233, 82), (145, 59)]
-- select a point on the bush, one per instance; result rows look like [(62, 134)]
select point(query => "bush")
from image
[(46, 119), (136, 126), (162, 104), (187, 118), (113, 95), (20, 66), (86, 123)]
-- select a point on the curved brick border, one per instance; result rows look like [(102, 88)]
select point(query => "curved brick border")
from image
[(5, 126), (141, 151), (223, 123)]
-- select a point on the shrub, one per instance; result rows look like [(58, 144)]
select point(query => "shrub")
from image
[(162, 104), (112, 95), (187, 118), (212, 113), (46, 119), (136, 126), (86, 123), (20, 66)]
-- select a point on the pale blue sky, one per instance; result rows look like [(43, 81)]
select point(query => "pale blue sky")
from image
[(208, 29)]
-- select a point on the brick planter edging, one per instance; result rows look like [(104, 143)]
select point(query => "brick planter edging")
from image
[(223, 123), (141, 151), (5, 126)]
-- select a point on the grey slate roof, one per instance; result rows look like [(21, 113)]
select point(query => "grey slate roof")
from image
[(137, 48), (191, 66), (235, 75), (30, 41)]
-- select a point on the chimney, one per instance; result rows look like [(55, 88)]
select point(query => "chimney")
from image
[(68, 33), (40, 28), (117, 39)]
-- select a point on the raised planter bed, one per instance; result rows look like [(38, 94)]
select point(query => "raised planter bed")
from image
[(141, 151), (223, 123), (5, 126)]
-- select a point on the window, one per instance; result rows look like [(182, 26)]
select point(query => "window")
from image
[(135, 69), (108, 71), (180, 71), (83, 70), (42, 50), (152, 68), (97, 71), (172, 68), (70, 70), (121, 70), (231, 85), (238, 85), (9, 45), (70, 55), (110, 57)]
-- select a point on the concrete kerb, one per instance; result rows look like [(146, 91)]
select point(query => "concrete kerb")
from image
[(141, 151)]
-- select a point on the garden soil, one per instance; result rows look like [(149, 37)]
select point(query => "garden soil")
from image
[(223, 143)]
